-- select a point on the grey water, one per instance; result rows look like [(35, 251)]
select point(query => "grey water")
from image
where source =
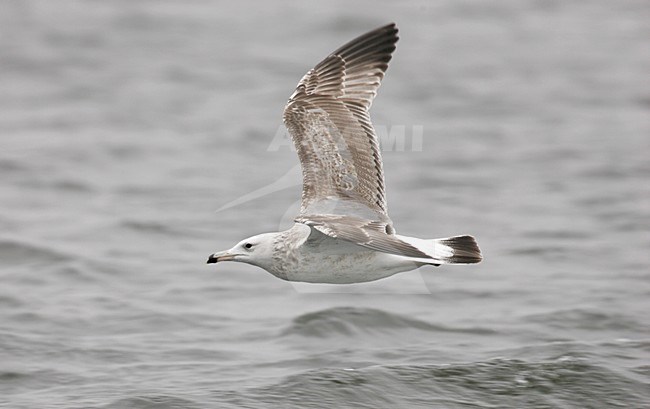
[(125, 126)]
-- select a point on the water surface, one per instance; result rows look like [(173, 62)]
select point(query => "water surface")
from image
[(126, 125)]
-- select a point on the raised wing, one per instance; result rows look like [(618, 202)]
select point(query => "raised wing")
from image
[(327, 117)]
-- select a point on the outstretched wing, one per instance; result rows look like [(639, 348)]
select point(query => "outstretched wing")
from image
[(373, 235), (327, 117)]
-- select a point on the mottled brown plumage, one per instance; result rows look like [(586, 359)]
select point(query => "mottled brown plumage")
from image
[(327, 117)]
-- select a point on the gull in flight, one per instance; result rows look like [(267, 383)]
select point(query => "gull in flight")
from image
[(343, 233)]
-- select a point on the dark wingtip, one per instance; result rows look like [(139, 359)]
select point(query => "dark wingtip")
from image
[(466, 250), (212, 259)]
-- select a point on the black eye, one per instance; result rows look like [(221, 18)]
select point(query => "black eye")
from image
[(248, 245)]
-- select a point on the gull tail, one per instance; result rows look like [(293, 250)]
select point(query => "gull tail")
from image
[(450, 250), (456, 250)]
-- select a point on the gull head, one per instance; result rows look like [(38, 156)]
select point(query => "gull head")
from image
[(256, 250)]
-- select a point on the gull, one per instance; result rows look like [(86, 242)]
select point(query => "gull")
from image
[(343, 234)]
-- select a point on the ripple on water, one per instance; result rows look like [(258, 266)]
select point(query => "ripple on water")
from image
[(585, 319), (493, 383), (153, 401), (13, 252), (350, 321)]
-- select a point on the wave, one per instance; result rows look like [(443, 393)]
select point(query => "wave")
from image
[(487, 384), (153, 401), (585, 319), (351, 320), (14, 252), (147, 226)]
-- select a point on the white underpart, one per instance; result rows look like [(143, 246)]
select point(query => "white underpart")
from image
[(331, 260)]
